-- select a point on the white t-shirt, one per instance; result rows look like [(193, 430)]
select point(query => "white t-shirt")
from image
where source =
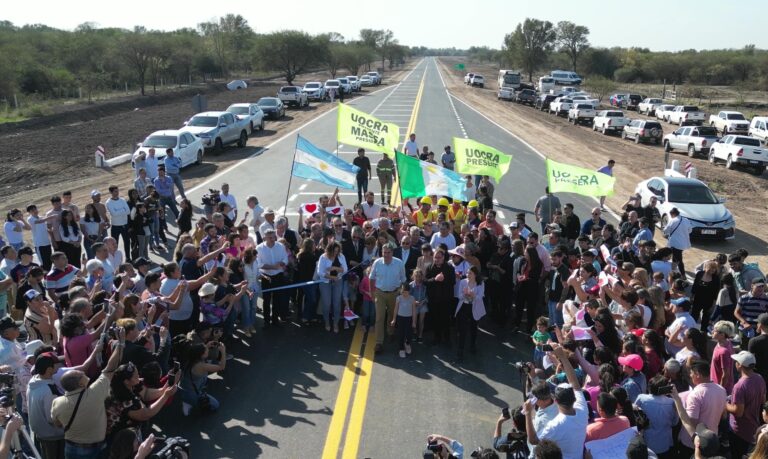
[(371, 211), (11, 235), (230, 199), (39, 231), (256, 216), (542, 419), (569, 432), (118, 211), (411, 149), (437, 239)]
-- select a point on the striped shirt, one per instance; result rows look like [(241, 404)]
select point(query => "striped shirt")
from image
[(58, 280), (752, 306)]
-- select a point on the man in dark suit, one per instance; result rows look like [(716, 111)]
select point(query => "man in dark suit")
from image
[(353, 247), (340, 233), (408, 255)]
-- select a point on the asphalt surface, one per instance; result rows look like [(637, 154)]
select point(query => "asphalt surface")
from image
[(304, 392)]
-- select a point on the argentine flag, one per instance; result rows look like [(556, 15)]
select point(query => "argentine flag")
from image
[(312, 163)]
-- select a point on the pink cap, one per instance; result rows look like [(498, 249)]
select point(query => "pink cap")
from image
[(633, 361)]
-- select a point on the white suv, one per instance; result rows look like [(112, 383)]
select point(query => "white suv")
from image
[(565, 77)]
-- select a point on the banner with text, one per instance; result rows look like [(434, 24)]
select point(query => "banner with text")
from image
[(573, 179), (475, 158), (363, 130)]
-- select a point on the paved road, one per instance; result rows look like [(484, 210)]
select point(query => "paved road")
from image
[(303, 392)]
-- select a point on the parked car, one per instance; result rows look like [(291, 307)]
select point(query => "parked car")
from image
[(648, 105), (293, 96), (584, 99), (696, 140), (506, 94), (633, 100), (186, 146), (217, 129), (346, 86), (643, 131), (367, 80), (708, 216), (565, 77), (546, 84), (334, 85), (758, 127), (526, 96), (354, 81), (683, 115), (477, 80), (618, 100), (663, 110), (250, 112), (729, 122), (581, 114), (375, 76), (468, 78), (609, 121), (234, 85), (543, 101), (569, 90), (314, 90), (740, 151), (272, 107), (560, 106)]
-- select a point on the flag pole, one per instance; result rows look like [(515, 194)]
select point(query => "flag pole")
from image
[(399, 186), (290, 177)]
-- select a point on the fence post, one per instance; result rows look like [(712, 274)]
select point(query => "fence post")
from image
[(126, 87), (15, 101)]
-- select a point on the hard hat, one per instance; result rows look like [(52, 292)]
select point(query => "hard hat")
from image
[(473, 203), (443, 202), (426, 200)]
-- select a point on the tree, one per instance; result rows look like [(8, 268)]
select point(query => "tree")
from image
[(572, 40), (599, 86), (530, 44), (378, 40), (355, 55), (289, 51), (136, 49)]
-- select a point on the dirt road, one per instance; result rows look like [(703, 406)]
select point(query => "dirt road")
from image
[(747, 195)]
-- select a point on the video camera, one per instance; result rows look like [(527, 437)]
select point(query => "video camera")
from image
[(7, 379), (174, 447), (212, 198), (433, 450), (523, 367)]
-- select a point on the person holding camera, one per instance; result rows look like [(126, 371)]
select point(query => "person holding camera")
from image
[(513, 444), (194, 377), (443, 447), (660, 409)]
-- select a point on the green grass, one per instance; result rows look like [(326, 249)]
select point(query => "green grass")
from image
[(11, 118)]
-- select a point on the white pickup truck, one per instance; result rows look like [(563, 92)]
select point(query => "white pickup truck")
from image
[(610, 121), (741, 151), (581, 113), (648, 105), (696, 140), (217, 129), (293, 96), (663, 111), (584, 99), (561, 105), (686, 114), (729, 122)]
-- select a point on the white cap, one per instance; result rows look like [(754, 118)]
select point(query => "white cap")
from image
[(745, 358)]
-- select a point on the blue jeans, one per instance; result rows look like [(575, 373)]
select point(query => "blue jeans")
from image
[(179, 184), (555, 315), (154, 227), (362, 187), (72, 451), (308, 312), (369, 313), (248, 310), (170, 201), (189, 396), (330, 296)]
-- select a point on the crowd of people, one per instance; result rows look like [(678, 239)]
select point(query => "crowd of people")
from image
[(112, 337)]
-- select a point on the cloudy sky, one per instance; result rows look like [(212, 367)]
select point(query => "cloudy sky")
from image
[(654, 24)]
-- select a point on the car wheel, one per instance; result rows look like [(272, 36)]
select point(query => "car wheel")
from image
[(667, 148), (605, 130), (261, 126), (656, 141), (680, 123), (758, 171), (594, 127), (218, 146), (243, 139), (729, 164), (691, 151), (199, 157), (637, 139), (712, 159), (252, 128), (624, 135)]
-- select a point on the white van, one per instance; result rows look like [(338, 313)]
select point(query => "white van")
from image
[(759, 127), (565, 77), (546, 83)]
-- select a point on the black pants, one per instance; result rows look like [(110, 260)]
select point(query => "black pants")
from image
[(275, 304), (528, 298), (404, 326), (677, 257), (72, 251), (362, 187), (44, 252), (122, 230), (467, 326), (441, 320), (705, 311), (739, 446)]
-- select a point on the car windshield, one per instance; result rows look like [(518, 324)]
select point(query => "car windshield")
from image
[(160, 141), (312, 85), (707, 131), (690, 108), (204, 121), (749, 141), (332, 83), (238, 110), (616, 114), (288, 89), (512, 79), (691, 193), (267, 102), (736, 116)]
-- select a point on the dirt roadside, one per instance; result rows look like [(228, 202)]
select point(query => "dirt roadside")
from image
[(747, 195), (38, 164)]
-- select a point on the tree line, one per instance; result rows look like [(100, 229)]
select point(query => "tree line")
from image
[(47, 61), (536, 46)]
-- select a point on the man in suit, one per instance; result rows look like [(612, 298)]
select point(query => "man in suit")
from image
[(340, 234), (408, 255), (353, 247)]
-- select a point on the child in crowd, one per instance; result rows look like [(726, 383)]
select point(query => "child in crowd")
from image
[(404, 318), (540, 337), (419, 293), (369, 308), (349, 295), (659, 281)]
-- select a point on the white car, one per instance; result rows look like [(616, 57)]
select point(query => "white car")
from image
[(648, 105), (334, 85), (314, 90), (740, 151), (367, 80), (251, 112), (354, 81), (695, 200), (234, 85), (561, 105), (477, 80), (468, 78), (346, 85), (662, 111), (584, 99), (375, 76), (187, 147)]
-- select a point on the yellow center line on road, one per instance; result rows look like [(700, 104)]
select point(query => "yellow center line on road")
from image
[(357, 369)]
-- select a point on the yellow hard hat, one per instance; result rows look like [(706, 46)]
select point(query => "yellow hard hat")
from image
[(443, 202), (426, 200), (473, 203)]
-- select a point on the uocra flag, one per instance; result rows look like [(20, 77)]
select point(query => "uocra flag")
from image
[(473, 157), (312, 163), (363, 130), (574, 179), (420, 178)]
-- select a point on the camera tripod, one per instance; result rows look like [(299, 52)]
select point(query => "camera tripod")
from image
[(16, 449)]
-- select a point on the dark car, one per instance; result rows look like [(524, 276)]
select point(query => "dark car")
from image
[(526, 96), (542, 102), (272, 107), (633, 100), (643, 131)]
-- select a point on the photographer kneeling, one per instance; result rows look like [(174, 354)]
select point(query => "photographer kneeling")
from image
[(195, 377), (513, 444)]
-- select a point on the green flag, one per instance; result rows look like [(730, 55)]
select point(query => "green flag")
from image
[(459, 66), (573, 179), (420, 178), (360, 129), (475, 158)]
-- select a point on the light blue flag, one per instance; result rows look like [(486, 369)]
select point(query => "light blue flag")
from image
[(312, 163)]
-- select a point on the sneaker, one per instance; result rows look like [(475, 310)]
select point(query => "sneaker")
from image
[(402, 354), (327, 327), (408, 349), (248, 334), (335, 328), (186, 408)]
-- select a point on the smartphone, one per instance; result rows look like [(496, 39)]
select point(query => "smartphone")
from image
[(176, 366), (546, 347), (666, 390), (505, 412)]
